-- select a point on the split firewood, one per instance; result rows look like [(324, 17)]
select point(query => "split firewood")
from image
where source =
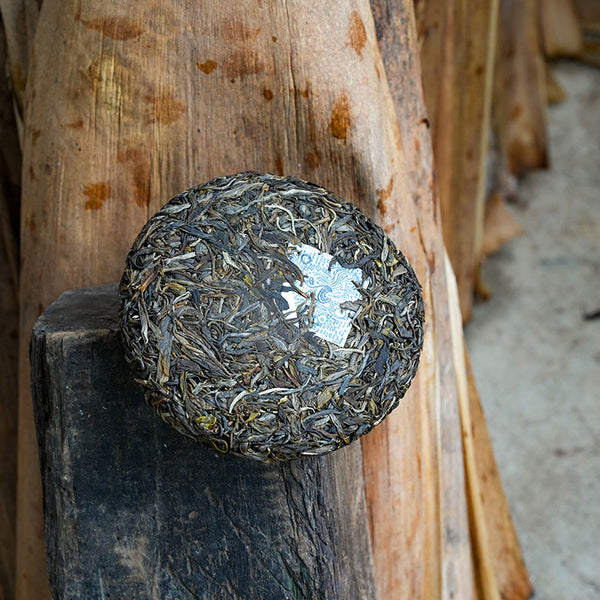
[(555, 92), (20, 21), (520, 88), (491, 528), (588, 12), (458, 45), (591, 44)]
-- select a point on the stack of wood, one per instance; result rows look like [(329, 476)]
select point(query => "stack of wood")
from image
[(121, 111)]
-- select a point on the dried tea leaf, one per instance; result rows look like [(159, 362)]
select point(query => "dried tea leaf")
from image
[(267, 317)]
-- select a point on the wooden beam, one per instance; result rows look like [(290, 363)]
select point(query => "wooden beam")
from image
[(135, 510)]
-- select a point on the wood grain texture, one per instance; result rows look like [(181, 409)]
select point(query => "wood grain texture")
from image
[(520, 88), (438, 522), (492, 533), (126, 109), (458, 45), (134, 510), (143, 108)]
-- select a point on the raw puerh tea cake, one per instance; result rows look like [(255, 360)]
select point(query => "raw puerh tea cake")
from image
[(268, 318)]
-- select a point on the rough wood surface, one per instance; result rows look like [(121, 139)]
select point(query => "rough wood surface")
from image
[(561, 29), (9, 326), (520, 89), (134, 510), (554, 91), (500, 226), (457, 53), (588, 12), (125, 109), (492, 533)]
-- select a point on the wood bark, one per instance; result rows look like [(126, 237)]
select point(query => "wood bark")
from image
[(458, 51), (124, 110), (520, 88), (178, 519)]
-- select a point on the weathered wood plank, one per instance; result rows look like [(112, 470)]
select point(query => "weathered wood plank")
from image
[(127, 108), (10, 174), (134, 510)]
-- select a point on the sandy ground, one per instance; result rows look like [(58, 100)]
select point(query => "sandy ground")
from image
[(536, 357)]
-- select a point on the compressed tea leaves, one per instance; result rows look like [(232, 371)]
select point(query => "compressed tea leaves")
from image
[(267, 317)]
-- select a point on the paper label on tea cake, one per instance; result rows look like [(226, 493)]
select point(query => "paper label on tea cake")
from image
[(332, 285)]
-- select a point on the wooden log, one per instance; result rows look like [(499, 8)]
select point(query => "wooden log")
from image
[(20, 22), (10, 163), (506, 558), (458, 44), (493, 535), (500, 226), (125, 110), (134, 510), (554, 91), (561, 29), (520, 88)]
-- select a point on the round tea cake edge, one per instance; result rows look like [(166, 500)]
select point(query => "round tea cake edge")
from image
[(232, 345)]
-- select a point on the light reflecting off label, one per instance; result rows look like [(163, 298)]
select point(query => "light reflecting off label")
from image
[(332, 285)]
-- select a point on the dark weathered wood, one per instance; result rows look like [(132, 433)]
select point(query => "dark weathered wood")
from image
[(10, 171), (134, 510)]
